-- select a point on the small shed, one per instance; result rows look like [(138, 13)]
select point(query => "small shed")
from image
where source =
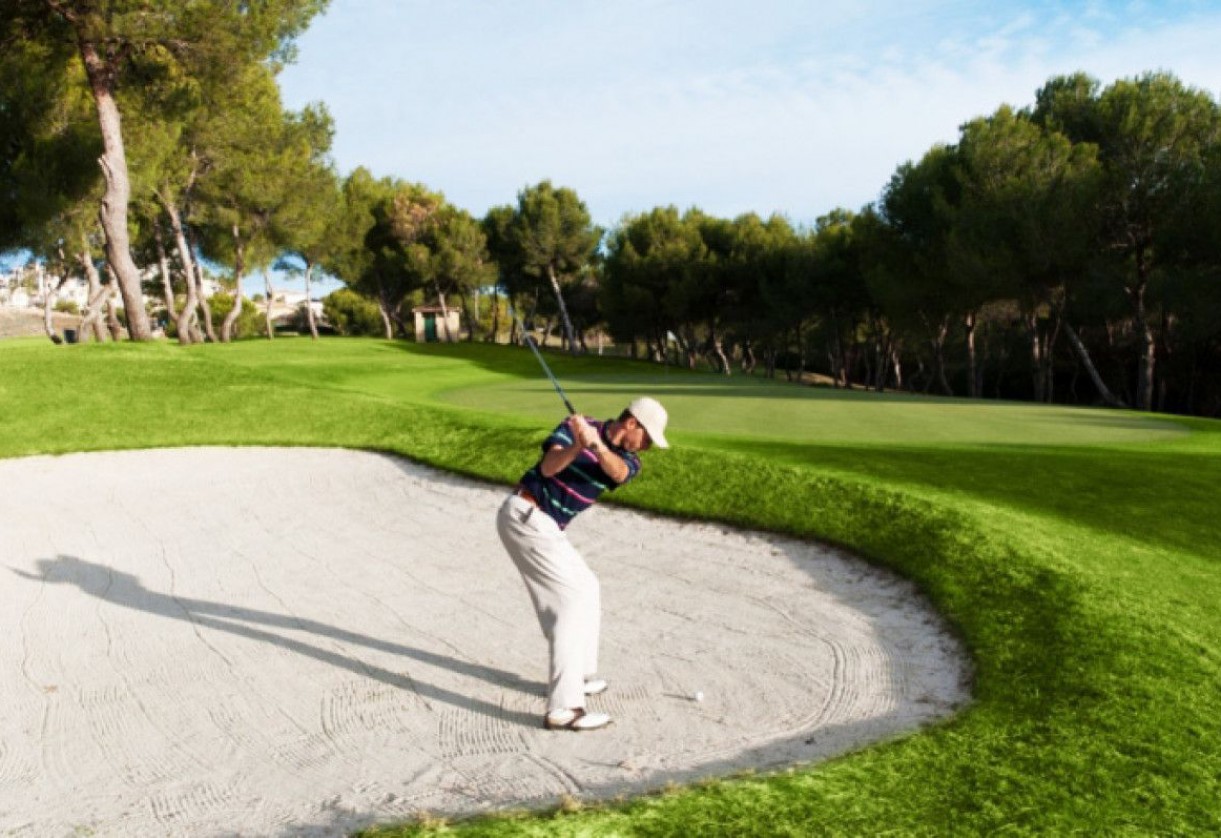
[(432, 324)]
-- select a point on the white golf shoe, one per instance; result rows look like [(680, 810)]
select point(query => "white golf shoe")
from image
[(575, 719), (596, 686)]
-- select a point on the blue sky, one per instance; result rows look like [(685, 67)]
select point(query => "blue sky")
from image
[(768, 106)]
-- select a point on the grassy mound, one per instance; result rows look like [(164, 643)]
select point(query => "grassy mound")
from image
[(1075, 551)]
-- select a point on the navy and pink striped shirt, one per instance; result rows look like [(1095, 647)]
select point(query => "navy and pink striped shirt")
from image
[(575, 488)]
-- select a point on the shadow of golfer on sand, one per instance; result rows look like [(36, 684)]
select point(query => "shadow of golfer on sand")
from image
[(126, 590)]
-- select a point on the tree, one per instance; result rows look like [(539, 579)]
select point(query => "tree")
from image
[(459, 261), (356, 256), (351, 313), (1153, 134), (1026, 228), (555, 240), (306, 221), (742, 277), (112, 38), (644, 295), (441, 246), (918, 207), (510, 275), (414, 215), (50, 184), (309, 226), (48, 145), (257, 156)]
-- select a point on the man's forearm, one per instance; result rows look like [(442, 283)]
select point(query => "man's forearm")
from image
[(562, 456), (559, 458), (611, 462)]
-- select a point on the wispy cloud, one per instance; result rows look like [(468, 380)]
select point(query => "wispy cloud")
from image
[(789, 107)]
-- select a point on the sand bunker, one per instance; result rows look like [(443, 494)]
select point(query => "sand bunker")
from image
[(301, 642)]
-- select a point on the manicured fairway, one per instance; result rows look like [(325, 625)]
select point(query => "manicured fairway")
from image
[(756, 408), (1078, 552)]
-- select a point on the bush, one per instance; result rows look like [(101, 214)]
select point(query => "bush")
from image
[(249, 323), (67, 306), (352, 314)]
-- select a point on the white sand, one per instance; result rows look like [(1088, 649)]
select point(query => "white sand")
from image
[(301, 642)]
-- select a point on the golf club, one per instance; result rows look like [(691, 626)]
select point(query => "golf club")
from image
[(530, 342)]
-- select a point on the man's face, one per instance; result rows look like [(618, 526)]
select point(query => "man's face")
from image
[(635, 437)]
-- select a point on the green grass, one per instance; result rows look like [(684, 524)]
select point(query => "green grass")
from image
[(1077, 553)]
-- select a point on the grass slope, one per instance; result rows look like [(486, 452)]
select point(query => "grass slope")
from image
[(1077, 553)]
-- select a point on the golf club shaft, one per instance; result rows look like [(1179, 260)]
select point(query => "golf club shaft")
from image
[(530, 342)]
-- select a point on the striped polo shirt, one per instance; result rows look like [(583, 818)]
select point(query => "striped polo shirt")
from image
[(575, 488)]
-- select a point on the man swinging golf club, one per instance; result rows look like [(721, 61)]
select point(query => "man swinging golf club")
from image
[(582, 458)]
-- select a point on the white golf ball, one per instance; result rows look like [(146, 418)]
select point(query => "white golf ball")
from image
[(698, 696)]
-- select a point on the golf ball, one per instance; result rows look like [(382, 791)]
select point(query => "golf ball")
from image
[(698, 696)]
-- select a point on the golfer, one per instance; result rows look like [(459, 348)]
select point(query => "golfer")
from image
[(581, 459)]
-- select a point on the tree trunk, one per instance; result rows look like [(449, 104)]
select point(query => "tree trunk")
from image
[(91, 320), (383, 308), (937, 341), (271, 330), (849, 357), (559, 298), (113, 210), (1036, 354), (882, 361), (1148, 348), (387, 323), (749, 361), (494, 337), (239, 265), (972, 379), (1049, 357), (444, 312), (1164, 337), (471, 321), (982, 359), (835, 352), (205, 308), (49, 295), (801, 354), (112, 315), (167, 285), (718, 349), (309, 301), (687, 345), (184, 321), (113, 324), (1086, 361)]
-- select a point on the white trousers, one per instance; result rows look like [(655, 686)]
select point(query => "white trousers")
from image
[(565, 593)]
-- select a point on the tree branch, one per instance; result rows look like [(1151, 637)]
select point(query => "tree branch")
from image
[(61, 9)]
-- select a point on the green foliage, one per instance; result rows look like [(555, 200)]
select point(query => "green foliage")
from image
[(1072, 240), (352, 314), (649, 258), (442, 248), (547, 243), (553, 231), (49, 144), (249, 323)]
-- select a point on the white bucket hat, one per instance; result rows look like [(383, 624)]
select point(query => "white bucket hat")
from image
[(652, 417)]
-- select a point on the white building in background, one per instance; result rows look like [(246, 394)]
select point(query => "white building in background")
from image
[(15, 294)]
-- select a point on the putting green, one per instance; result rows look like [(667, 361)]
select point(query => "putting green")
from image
[(767, 410)]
